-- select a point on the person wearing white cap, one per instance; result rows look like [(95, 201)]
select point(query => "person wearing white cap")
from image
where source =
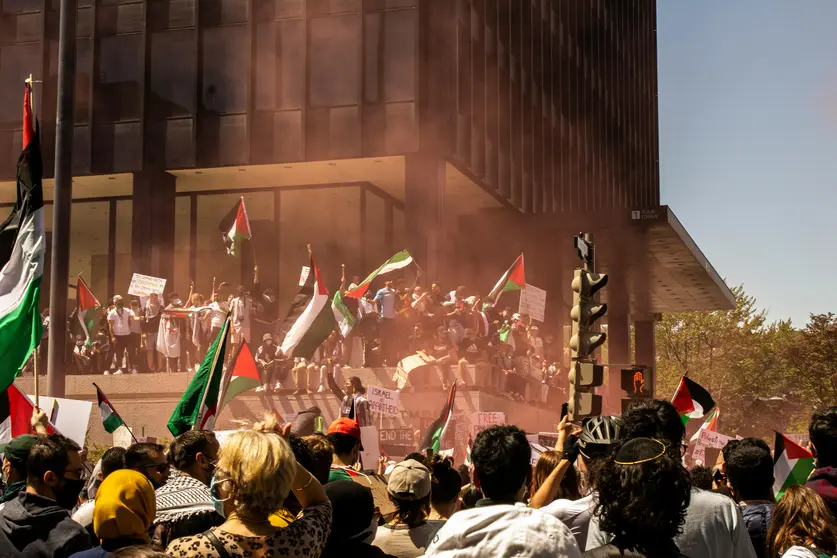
[(409, 533), (496, 527)]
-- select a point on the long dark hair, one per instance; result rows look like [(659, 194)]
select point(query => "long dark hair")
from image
[(801, 518), (547, 463), (642, 502), (412, 513)]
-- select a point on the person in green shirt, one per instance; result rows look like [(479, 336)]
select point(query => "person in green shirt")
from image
[(344, 435)]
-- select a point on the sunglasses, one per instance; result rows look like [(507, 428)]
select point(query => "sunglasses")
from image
[(159, 467)]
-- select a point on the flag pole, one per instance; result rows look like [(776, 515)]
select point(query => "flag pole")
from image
[(115, 412), (35, 371), (224, 331)]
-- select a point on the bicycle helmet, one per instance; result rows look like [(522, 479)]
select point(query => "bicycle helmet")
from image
[(599, 435)]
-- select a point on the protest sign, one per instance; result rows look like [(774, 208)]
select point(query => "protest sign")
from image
[(69, 416), (396, 437), (122, 437), (533, 302), (380, 495), (303, 276), (483, 420), (708, 439), (371, 448), (382, 400), (146, 285)]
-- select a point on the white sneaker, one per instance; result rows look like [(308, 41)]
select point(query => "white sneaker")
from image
[(118, 371), (261, 388), (106, 373), (278, 386), (321, 389)]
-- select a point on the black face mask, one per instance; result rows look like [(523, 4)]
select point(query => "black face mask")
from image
[(67, 495)]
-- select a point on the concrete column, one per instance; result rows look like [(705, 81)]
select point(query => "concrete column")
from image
[(424, 206), (152, 232), (646, 347), (619, 354)]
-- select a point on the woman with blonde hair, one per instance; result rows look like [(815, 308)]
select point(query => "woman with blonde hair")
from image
[(802, 526), (548, 461), (254, 475)]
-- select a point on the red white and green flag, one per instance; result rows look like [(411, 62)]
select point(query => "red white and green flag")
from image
[(435, 433), (310, 320), (244, 374), (710, 424), (399, 261), (792, 464), (110, 418), (514, 279), (88, 310), (692, 400), (235, 227), (198, 407)]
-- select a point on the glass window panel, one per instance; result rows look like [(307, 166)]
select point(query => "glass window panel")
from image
[(27, 27), (335, 60), (16, 63), (371, 51), (84, 22), (266, 66), (344, 132), (287, 135), (291, 86), (182, 244), (180, 143), (84, 74), (120, 77), (173, 72), (400, 28), (14, 6), (226, 59), (127, 146), (171, 14), (232, 139), (401, 130), (81, 149), (287, 8), (124, 224), (89, 242)]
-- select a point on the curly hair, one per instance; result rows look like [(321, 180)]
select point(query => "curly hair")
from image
[(445, 482), (801, 518), (643, 505)]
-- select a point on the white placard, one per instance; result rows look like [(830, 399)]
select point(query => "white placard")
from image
[(708, 439), (69, 416), (533, 302), (303, 276), (122, 437), (483, 420), (145, 285), (371, 448), (382, 400)]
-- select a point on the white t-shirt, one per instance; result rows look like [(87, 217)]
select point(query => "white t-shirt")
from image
[(403, 542), (714, 529), (135, 325), (799, 552), (84, 514), (120, 321), (575, 514), (219, 311)]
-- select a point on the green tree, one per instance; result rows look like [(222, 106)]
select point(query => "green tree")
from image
[(815, 362)]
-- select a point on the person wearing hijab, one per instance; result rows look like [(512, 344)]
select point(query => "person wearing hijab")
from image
[(354, 522), (125, 508)]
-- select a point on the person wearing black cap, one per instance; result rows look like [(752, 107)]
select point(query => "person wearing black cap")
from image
[(354, 522), (15, 455)]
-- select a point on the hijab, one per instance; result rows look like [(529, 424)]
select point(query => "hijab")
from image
[(125, 506)]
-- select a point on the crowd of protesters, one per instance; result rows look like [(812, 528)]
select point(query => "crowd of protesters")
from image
[(614, 486), (453, 331)]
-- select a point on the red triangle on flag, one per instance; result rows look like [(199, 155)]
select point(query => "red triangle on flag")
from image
[(683, 399), (794, 450), (85, 297), (16, 415), (518, 274), (245, 365)]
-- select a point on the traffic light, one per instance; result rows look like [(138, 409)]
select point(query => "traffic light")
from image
[(583, 377), (585, 312), (638, 383)]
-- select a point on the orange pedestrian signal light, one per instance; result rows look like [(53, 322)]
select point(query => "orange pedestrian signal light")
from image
[(636, 382)]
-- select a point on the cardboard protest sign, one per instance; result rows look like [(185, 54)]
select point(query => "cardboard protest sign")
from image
[(380, 496), (382, 400), (146, 285), (483, 420), (371, 447), (532, 302), (69, 416)]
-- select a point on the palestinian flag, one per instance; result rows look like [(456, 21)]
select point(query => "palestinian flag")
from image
[(692, 400), (110, 418), (399, 261), (197, 408), (243, 376), (23, 263), (710, 424), (514, 279), (88, 310), (792, 464), (342, 315), (469, 447), (435, 433), (16, 414), (310, 318), (235, 227)]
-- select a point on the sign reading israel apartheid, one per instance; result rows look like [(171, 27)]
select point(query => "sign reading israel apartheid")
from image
[(382, 400), (146, 285)]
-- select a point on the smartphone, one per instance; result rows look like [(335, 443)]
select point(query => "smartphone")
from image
[(565, 408)]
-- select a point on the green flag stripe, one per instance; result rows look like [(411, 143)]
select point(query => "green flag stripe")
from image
[(20, 333)]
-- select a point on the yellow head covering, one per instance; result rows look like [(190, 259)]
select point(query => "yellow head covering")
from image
[(125, 506)]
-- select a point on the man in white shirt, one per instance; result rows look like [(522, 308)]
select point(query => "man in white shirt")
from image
[(119, 323), (387, 299)]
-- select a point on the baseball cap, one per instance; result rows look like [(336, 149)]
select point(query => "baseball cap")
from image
[(409, 480), (17, 449), (347, 426)]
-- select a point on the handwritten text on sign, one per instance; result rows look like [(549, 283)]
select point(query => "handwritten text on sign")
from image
[(483, 420), (533, 302), (382, 400), (146, 285)]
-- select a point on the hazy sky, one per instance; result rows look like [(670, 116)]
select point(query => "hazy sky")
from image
[(748, 143)]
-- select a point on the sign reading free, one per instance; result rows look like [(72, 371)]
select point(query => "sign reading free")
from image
[(483, 420), (382, 400)]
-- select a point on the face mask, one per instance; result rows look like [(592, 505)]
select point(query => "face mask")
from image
[(216, 502), (177, 302), (67, 496)]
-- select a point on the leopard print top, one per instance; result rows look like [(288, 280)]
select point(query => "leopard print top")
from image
[(306, 537)]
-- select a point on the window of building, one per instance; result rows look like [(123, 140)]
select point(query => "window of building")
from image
[(226, 69), (335, 67), (173, 73), (120, 77), (123, 266), (16, 63)]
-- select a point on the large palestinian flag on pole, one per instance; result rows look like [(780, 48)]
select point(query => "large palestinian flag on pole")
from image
[(198, 407), (20, 277), (346, 321), (88, 310), (16, 414), (792, 464), (310, 320), (514, 279), (235, 227), (435, 433), (399, 261), (691, 400), (243, 376)]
